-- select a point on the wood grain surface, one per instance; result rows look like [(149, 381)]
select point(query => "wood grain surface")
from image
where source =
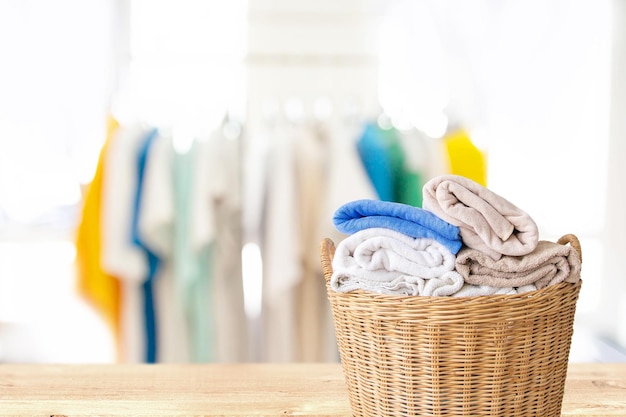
[(237, 390)]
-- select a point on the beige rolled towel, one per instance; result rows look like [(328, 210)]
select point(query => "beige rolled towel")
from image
[(487, 222), (550, 263)]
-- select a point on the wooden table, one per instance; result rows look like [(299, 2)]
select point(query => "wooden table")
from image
[(237, 390)]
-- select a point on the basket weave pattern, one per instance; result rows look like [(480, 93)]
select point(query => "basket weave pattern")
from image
[(499, 355)]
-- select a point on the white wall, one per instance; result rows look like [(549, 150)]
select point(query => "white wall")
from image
[(611, 314)]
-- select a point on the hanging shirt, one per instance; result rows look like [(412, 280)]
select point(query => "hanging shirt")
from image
[(193, 257), (424, 158), (465, 158), (310, 171), (406, 182), (374, 152), (230, 321), (156, 226), (383, 155), (282, 269), (100, 288), (120, 256), (152, 258)]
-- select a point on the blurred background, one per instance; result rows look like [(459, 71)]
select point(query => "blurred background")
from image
[(168, 168)]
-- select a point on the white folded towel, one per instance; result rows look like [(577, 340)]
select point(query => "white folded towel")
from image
[(388, 262), (446, 285), (471, 290)]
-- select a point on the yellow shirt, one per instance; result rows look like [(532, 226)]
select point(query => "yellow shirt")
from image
[(94, 284), (465, 158)]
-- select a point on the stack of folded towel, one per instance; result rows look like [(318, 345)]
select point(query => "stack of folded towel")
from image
[(465, 241)]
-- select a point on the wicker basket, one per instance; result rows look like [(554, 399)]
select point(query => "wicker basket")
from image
[(499, 355)]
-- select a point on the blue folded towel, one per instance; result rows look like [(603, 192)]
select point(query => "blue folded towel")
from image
[(411, 221)]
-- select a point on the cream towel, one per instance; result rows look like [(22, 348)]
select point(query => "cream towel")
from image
[(550, 263), (487, 222), (389, 262)]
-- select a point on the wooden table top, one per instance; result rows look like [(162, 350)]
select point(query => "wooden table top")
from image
[(237, 390)]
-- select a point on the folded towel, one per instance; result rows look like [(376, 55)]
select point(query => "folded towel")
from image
[(487, 221), (446, 285), (550, 263), (388, 262), (412, 221), (470, 290)]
